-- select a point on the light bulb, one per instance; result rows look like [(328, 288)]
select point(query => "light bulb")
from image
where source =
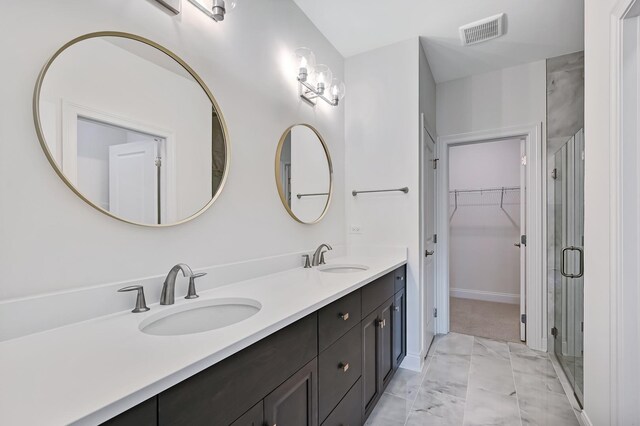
[(305, 62), (337, 91), (323, 77)]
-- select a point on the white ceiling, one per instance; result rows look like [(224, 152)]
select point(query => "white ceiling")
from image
[(537, 29)]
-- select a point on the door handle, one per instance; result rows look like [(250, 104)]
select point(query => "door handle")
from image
[(518, 245), (428, 253), (563, 263)]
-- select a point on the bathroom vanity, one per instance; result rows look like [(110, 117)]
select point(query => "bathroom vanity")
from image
[(328, 368)]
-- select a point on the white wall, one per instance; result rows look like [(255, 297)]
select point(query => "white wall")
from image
[(59, 242), (482, 255), (382, 136), (513, 96), (597, 292)]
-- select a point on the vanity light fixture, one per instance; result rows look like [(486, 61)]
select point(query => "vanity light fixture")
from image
[(215, 9), (316, 81)]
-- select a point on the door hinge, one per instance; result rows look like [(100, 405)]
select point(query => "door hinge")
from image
[(435, 239), (435, 312), (523, 318), (554, 174), (523, 240), (435, 163), (582, 326), (554, 332)]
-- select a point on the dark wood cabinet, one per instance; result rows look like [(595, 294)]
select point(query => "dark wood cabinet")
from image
[(339, 367), (385, 329), (348, 412), (223, 392), (330, 367), (399, 328), (295, 402), (253, 417), (144, 414), (370, 357)]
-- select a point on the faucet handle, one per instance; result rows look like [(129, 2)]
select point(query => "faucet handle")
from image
[(141, 304), (191, 292), (307, 261), (322, 262)]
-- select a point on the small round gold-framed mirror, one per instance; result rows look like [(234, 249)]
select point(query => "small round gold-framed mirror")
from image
[(304, 173), (132, 129)]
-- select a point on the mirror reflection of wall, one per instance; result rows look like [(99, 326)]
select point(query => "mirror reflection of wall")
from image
[(304, 174), (132, 130)]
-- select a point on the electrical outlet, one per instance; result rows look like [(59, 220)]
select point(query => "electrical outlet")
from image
[(355, 229)]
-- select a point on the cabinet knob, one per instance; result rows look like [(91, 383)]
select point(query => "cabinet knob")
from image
[(343, 366), (382, 323), (396, 308), (344, 316), (401, 278)]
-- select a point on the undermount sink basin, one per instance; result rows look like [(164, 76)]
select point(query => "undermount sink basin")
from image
[(199, 317), (343, 269)]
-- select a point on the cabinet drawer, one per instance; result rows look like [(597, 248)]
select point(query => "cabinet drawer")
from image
[(338, 318), (222, 393), (400, 278), (349, 410), (339, 368), (375, 294)]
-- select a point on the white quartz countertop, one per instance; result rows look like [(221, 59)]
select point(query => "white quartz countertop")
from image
[(88, 372)]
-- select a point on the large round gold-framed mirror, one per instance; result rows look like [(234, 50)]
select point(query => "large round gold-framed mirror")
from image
[(132, 129), (304, 173)]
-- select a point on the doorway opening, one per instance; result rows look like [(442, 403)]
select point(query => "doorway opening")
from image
[(487, 243)]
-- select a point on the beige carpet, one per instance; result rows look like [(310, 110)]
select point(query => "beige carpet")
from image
[(500, 321)]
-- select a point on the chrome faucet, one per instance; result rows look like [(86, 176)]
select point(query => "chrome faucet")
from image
[(318, 255), (168, 288)]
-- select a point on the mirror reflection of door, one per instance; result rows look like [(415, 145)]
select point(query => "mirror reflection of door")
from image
[(120, 169)]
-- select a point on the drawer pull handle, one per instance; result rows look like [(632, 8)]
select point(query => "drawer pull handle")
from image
[(400, 278), (343, 366), (344, 316)]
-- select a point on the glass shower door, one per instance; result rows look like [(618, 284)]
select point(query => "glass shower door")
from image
[(568, 217)]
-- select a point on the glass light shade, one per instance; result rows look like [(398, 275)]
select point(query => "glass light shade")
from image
[(338, 90), (305, 62), (230, 5), (323, 76)]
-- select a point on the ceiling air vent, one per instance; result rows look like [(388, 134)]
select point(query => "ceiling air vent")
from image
[(483, 30)]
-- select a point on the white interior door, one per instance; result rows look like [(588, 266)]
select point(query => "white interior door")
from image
[(133, 181), (522, 242), (429, 231)]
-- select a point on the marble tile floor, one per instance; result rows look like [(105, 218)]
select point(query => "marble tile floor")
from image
[(471, 380)]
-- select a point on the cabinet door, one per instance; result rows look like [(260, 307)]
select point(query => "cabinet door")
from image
[(253, 417), (370, 356), (295, 402), (399, 336), (386, 343)]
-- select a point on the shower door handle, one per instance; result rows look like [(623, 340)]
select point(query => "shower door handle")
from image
[(581, 263)]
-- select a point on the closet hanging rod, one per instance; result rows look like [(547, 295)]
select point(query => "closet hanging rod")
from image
[(472, 191), (317, 194), (405, 190)]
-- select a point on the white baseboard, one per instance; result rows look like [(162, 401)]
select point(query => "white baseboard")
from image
[(487, 296), (412, 362)]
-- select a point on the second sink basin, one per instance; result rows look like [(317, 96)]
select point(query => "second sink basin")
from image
[(201, 316), (343, 269)]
